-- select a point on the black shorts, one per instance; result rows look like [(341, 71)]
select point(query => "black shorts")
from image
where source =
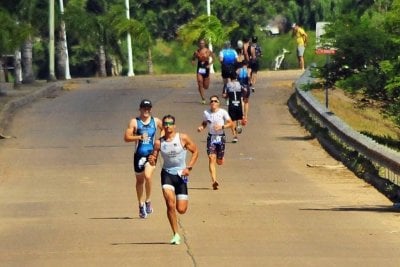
[(175, 183), (254, 65), (246, 91), (235, 112), (139, 163), (203, 69), (227, 70), (218, 147)]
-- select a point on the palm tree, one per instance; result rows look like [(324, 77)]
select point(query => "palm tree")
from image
[(205, 27), (138, 30)]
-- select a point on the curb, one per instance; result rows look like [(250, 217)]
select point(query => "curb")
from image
[(11, 107)]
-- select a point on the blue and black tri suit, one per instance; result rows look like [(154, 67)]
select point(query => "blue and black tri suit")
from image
[(144, 147)]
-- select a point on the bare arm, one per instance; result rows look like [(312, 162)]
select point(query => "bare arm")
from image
[(130, 132), (159, 126), (192, 147), (152, 158), (202, 126)]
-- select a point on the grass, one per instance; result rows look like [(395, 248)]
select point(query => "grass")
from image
[(361, 115)]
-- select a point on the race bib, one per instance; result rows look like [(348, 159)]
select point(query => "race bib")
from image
[(202, 70), (216, 139), (236, 103)]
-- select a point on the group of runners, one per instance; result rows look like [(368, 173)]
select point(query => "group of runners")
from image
[(173, 147), (239, 72)]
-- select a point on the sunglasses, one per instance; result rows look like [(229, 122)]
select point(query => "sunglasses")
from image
[(168, 123), (214, 101)]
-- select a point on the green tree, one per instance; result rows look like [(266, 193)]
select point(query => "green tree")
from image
[(205, 27)]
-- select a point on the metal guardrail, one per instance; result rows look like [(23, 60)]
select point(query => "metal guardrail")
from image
[(380, 155)]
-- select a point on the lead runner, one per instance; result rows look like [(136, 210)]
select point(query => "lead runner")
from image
[(173, 147)]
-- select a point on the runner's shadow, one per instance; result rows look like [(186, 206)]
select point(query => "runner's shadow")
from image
[(360, 208), (296, 138), (199, 188), (141, 243), (112, 218)]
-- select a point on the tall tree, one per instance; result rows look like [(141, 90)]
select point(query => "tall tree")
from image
[(207, 27)]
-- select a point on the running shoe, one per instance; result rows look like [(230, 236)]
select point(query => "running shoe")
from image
[(203, 102), (176, 240), (253, 89), (239, 128), (142, 211), (235, 140), (215, 185), (149, 208)]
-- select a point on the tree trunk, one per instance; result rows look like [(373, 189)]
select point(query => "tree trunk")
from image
[(27, 69), (17, 69), (61, 54), (102, 62), (2, 72), (150, 62)]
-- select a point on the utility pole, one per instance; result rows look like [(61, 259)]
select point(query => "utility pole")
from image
[(129, 44), (52, 76), (209, 41), (64, 32)]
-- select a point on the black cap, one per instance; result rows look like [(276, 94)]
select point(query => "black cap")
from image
[(145, 103)]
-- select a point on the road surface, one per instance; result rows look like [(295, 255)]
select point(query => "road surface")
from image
[(67, 193)]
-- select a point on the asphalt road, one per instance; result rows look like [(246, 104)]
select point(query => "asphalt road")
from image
[(67, 193)]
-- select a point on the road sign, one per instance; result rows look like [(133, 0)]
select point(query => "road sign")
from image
[(323, 46)]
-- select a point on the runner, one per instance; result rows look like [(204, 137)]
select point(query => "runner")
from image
[(142, 130), (254, 52), (204, 58), (235, 105), (244, 74), (175, 171), (228, 58), (217, 119)]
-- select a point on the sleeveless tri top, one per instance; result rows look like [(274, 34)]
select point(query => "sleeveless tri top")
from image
[(145, 147), (173, 154)]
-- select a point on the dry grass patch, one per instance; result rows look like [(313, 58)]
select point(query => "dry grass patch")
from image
[(360, 115)]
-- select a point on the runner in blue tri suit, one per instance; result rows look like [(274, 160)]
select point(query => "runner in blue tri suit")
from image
[(142, 130), (243, 76), (228, 58)]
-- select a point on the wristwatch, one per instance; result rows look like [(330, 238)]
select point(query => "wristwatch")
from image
[(189, 168)]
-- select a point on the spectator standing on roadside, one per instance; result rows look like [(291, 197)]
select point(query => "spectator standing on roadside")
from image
[(254, 53), (204, 58), (142, 130), (173, 147), (301, 40), (217, 119)]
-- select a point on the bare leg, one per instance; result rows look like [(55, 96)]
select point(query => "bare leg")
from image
[(245, 110), (200, 84), (140, 179), (301, 62), (148, 172), (170, 201), (212, 159)]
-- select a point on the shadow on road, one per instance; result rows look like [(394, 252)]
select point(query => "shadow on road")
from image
[(361, 209)]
